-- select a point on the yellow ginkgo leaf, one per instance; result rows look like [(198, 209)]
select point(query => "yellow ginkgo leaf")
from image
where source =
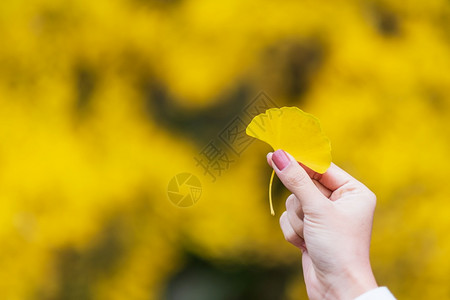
[(296, 132)]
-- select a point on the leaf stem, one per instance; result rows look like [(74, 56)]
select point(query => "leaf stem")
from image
[(272, 212)]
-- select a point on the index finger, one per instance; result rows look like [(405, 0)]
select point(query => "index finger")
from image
[(332, 179)]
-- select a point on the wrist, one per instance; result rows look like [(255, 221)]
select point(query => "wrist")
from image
[(351, 283)]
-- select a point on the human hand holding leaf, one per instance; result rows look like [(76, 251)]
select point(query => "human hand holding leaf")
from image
[(296, 132)]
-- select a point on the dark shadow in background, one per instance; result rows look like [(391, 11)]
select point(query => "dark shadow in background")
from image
[(202, 280), (199, 126)]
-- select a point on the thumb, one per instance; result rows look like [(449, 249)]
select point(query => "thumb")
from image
[(296, 179)]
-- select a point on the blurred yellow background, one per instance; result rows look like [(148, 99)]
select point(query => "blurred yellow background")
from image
[(103, 102)]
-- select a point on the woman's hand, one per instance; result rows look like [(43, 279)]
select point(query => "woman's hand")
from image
[(329, 217)]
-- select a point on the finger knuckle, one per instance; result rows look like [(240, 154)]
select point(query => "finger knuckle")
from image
[(283, 219), (372, 198), (290, 237), (290, 201), (297, 180)]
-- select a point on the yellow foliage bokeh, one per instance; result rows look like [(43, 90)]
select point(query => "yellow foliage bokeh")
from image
[(103, 102)]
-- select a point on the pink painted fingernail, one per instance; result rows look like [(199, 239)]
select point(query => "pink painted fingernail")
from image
[(280, 159)]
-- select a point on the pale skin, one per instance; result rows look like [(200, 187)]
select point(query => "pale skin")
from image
[(329, 218)]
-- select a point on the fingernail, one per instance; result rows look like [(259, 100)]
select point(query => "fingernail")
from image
[(303, 247), (280, 159)]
